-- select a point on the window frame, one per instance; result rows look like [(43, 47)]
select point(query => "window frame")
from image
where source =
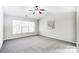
[(21, 26)]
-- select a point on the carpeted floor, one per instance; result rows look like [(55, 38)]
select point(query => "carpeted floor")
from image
[(37, 44)]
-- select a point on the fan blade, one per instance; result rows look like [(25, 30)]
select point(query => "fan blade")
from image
[(33, 12), (30, 10), (40, 12), (42, 9)]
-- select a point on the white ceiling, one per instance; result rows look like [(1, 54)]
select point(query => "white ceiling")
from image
[(23, 10)]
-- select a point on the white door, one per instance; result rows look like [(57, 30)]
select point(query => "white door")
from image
[(1, 26)]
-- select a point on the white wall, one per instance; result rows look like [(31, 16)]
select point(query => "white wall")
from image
[(1, 26), (64, 24), (78, 25), (8, 27)]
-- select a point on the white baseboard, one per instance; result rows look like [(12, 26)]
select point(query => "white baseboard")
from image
[(59, 39)]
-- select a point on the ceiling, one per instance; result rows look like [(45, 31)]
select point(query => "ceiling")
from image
[(22, 11)]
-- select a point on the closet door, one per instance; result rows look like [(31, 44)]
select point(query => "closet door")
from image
[(1, 26)]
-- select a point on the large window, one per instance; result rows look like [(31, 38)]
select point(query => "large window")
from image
[(23, 26)]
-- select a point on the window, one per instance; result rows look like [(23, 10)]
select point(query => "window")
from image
[(16, 27), (31, 26), (23, 26)]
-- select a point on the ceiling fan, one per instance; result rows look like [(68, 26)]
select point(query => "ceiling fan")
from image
[(36, 8)]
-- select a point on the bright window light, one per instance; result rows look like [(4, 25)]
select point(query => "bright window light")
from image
[(23, 26)]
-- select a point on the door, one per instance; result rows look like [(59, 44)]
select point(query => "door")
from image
[(1, 26)]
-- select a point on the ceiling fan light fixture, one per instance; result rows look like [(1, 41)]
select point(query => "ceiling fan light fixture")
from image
[(36, 8)]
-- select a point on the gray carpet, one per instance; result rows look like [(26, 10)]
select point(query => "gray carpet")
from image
[(36, 44)]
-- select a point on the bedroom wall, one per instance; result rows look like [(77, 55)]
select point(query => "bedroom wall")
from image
[(78, 25), (64, 24), (8, 27)]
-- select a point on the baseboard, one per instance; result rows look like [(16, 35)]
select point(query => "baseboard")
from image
[(22, 37), (74, 43)]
